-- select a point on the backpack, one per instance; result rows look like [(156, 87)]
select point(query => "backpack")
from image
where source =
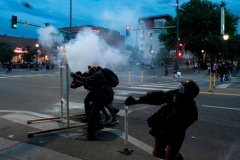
[(111, 77)]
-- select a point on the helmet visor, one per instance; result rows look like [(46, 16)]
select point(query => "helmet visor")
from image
[(180, 87)]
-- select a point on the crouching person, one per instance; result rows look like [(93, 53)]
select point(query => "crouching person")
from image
[(169, 123), (102, 95)]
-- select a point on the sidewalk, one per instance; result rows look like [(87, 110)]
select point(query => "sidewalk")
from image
[(187, 73), (10, 150)]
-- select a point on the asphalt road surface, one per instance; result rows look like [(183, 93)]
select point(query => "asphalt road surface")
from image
[(31, 95)]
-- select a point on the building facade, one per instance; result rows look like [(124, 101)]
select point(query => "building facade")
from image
[(149, 30), (18, 44)]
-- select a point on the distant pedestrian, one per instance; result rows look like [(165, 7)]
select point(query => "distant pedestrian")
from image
[(151, 68), (187, 64), (9, 68), (165, 69), (28, 66), (161, 64), (176, 66), (234, 69), (196, 67), (209, 68)]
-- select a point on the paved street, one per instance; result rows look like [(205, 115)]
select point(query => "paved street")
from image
[(28, 95)]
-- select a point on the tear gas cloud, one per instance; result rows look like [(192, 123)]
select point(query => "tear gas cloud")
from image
[(86, 49), (47, 36)]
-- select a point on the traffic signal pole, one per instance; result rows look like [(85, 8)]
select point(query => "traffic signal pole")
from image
[(28, 24), (70, 35)]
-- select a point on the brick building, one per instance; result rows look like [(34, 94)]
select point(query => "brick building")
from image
[(18, 43)]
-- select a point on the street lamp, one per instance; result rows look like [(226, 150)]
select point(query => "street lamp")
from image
[(177, 29), (204, 56), (70, 35), (36, 68), (225, 38)]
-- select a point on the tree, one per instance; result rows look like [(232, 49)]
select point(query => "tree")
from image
[(6, 52), (199, 27), (234, 46), (163, 55), (28, 57)]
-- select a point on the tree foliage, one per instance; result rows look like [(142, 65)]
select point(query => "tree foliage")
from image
[(199, 27), (6, 52), (28, 57), (163, 55)]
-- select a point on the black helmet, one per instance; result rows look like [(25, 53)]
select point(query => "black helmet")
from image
[(99, 68), (191, 88)]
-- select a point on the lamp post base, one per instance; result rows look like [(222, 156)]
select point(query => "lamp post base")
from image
[(126, 151)]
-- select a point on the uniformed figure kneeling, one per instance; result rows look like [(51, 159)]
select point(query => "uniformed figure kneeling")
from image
[(169, 123)]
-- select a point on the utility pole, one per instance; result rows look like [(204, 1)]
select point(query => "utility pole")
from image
[(70, 34), (177, 31)]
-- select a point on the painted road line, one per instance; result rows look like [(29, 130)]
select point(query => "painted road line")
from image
[(223, 85), (151, 76), (144, 88), (131, 139), (158, 86), (126, 92), (222, 94), (120, 97), (238, 109)]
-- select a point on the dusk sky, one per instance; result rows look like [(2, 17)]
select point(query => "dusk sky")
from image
[(112, 14)]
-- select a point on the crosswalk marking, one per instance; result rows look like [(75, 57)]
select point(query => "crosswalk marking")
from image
[(158, 86), (122, 94), (126, 92), (223, 85), (148, 88), (3, 76)]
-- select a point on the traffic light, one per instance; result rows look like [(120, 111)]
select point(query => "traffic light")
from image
[(14, 22), (128, 32), (180, 46), (179, 54)]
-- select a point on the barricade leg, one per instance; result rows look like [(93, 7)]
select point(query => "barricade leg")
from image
[(126, 150), (129, 79), (142, 77)]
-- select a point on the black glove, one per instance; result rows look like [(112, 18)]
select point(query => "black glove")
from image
[(72, 74), (130, 101)]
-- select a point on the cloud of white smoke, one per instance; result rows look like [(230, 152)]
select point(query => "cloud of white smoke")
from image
[(86, 49)]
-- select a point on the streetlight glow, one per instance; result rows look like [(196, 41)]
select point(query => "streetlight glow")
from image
[(225, 37)]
